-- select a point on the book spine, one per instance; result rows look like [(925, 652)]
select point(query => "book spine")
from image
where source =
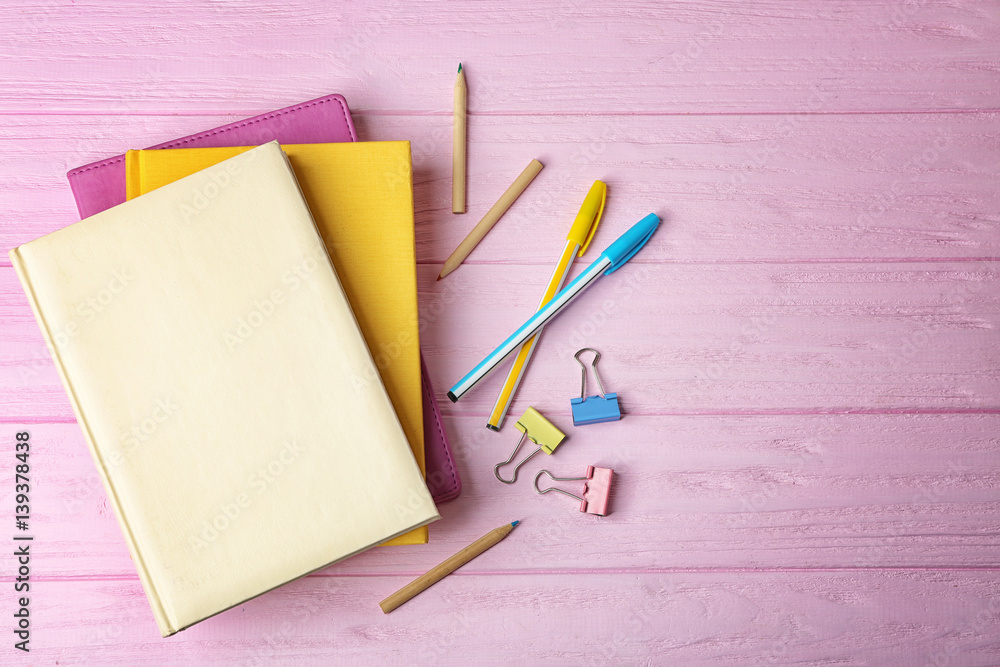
[(133, 187), (20, 267)]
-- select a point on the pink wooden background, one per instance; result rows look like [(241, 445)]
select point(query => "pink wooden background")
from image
[(807, 352)]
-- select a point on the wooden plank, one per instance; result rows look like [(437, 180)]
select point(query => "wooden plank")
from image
[(912, 618), (522, 56), (692, 492), (731, 189), (743, 188), (733, 338), (699, 338)]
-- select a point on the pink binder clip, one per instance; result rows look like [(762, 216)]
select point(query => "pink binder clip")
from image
[(596, 489)]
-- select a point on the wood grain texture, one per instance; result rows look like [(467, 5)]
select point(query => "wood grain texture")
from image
[(700, 338), (871, 618), (523, 56), (730, 188), (808, 470), (735, 338), (696, 492)]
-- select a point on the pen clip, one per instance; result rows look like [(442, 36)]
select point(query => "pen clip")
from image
[(585, 225), (617, 264)]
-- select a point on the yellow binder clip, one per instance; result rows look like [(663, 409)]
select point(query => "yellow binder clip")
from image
[(540, 431)]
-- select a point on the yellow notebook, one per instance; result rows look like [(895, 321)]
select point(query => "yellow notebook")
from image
[(361, 196)]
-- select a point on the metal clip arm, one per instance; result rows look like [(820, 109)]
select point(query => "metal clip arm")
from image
[(496, 468), (557, 479), (593, 364)]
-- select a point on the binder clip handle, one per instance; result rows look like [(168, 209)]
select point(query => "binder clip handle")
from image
[(496, 468), (557, 479), (593, 364), (540, 431), (593, 409), (596, 489)]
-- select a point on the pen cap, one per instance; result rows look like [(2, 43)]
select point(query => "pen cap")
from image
[(582, 231), (630, 242)]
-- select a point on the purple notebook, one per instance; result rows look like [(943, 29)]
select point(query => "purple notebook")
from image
[(100, 185)]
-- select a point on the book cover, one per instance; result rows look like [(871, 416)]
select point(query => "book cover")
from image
[(202, 315), (361, 196)]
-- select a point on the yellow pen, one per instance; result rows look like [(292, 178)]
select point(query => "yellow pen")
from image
[(579, 237)]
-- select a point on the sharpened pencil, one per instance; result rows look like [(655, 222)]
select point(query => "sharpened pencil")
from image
[(458, 143), (439, 572)]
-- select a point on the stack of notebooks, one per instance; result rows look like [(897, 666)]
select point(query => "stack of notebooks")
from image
[(240, 345)]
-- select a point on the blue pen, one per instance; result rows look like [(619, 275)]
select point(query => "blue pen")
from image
[(610, 261)]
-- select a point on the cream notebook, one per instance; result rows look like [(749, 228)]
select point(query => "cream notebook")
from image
[(208, 350), (361, 197)]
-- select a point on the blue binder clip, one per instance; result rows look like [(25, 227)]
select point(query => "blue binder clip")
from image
[(594, 409)]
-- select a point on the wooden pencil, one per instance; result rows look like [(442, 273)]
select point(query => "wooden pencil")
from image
[(436, 574), (491, 218), (458, 143)]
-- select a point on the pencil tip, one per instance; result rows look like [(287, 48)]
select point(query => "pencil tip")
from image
[(438, 278), (514, 523), (459, 68)]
